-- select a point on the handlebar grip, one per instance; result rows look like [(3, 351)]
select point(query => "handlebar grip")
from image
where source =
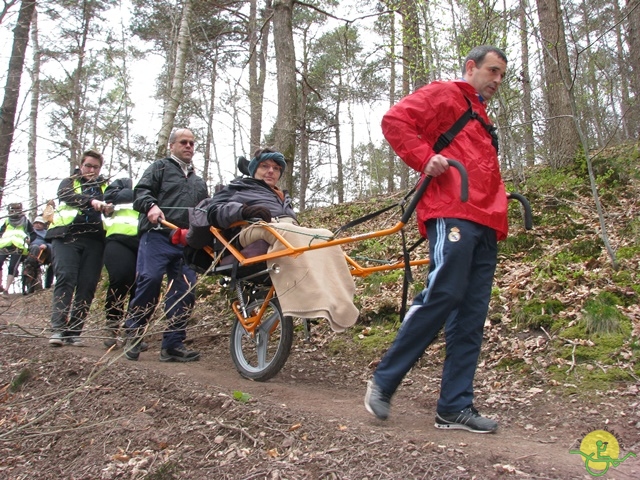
[(464, 189), (528, 215)]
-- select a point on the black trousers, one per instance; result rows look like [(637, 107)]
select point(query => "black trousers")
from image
[(77, 264), (120, 262)]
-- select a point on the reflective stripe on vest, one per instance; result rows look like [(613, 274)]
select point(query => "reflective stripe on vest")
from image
[(123, 221), (64, 214), (14, 237)]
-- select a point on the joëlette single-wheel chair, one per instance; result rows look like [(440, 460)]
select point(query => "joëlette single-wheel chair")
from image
[(261, 336)]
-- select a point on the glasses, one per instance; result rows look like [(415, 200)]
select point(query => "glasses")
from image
[(91, 166), (268, 166), (191, 143)]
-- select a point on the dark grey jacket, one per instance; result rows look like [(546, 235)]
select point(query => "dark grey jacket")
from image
[(164, 184), (225, 207)]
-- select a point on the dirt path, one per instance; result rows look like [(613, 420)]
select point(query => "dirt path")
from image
[(317, 393)]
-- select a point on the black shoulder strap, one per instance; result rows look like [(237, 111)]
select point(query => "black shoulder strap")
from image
[(447, 137)]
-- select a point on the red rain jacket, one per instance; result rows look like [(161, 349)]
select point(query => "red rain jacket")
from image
[(412, 127)]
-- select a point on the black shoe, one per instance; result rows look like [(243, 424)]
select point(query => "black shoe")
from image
[(468, 419), (376, 401), (179, 354), (132, 348)]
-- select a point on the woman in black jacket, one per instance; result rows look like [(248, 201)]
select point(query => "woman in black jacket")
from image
[(77, 242)]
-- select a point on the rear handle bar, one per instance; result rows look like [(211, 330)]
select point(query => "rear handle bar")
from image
[(528, 216), (464, 189), (464, 195)]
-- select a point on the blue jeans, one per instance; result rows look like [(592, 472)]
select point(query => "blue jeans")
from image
[(157, 256), (463, 261)]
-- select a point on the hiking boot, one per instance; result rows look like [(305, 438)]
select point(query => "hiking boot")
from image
[(179, 354), (56, 340), (376, 401), (132, 348), (72, 342), (468, 419), (112, 339)]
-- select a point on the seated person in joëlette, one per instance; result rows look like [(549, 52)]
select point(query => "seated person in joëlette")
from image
[(325, 270)]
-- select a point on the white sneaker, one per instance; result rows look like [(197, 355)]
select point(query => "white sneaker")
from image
[(56, 340)]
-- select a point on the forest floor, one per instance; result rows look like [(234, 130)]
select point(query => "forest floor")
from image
[(85, 413)]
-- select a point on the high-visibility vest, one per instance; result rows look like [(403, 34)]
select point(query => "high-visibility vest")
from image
[(64, 214), (15, 237), (123, 221)]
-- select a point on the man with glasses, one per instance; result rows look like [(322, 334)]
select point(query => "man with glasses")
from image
[(167, 190), (77, 243)]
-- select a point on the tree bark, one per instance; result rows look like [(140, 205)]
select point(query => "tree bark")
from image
[(173, 101), (259, 35), (629, 127), (391, 156), (529, 145), (561, 132), (12, 87), (285, 128), (33, 116), (633, 40)]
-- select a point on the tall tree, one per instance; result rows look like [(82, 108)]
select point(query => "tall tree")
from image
[(174, 99), (415, 74), (629, 125), (561, 132), (633, 40), (80, 91), (12, 86), (33, 115), (528, 138), (258, 46), (286, 121)]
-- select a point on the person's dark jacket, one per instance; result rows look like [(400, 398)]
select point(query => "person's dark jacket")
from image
[(165, 185), (88, 222), (225, 207)]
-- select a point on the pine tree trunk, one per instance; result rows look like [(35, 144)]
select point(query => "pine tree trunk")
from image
[(286, 122), (175, 95), (257, 70), (33, 116), (633, 40), (561, 132), (12, 87), (526, 87)]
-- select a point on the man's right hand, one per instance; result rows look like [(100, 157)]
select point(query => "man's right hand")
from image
[(256, 211), (436, 165), (155, 214)]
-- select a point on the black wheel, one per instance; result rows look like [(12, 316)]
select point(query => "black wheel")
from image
[(261, 356)]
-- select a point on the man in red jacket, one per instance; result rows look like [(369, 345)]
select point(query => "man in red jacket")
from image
[(462, 236)]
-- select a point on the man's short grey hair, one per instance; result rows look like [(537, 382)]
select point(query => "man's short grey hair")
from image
[(174, 134), (477, 54)]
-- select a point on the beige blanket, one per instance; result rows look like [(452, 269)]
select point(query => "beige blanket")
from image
[(315, 284)]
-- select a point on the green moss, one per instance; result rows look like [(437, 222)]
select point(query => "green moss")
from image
[(537, 314), (585, 380), (376, 340), (511, 363), (586, 249), (624, 253), (602, 317), (523, 242)]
